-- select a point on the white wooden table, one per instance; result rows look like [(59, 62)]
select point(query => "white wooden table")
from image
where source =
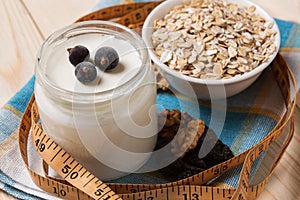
[(26, 23)]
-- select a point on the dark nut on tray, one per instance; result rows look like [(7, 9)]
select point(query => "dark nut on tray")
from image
[(181, 130), (187, 137), (178, 128)]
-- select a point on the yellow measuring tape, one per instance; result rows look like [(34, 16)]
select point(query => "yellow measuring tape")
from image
[(79, 183)]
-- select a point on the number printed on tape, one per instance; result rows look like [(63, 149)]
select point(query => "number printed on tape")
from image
[(80, 184)]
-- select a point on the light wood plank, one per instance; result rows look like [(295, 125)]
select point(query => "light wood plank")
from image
[(54, 14), (19, 41), (286, 10), (5, 196)]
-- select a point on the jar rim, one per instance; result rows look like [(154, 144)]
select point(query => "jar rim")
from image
[(84, 97)]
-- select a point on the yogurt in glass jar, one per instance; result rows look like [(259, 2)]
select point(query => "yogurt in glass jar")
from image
[(109, 125)]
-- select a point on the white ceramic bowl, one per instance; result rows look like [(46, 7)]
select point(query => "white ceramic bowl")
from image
[(205, 88)]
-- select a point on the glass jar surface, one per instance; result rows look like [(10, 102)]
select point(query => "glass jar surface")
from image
[(109, 125)]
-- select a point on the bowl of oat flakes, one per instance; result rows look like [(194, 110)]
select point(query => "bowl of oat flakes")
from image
[(211, 49)]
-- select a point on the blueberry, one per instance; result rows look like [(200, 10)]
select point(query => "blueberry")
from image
[(85, 72), (106, 58), (78, 54)]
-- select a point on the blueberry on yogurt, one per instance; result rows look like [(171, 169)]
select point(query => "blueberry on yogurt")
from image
[(78, 54), (106, 58), (85, 72)]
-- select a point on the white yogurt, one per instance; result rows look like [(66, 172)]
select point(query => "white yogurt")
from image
[(64, 77), (109, 125)]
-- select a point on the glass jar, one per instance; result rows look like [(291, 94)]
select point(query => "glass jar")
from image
[(109, 127)]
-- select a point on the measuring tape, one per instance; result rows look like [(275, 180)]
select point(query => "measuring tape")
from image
[(132, 15), (78, 183)]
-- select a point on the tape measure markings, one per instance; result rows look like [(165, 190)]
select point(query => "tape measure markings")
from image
[(69, 170), (112, 12), (187, 189), (41, 147), (139, 15)]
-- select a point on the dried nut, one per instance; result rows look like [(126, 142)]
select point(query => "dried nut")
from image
[(213, 39), (187, 137), (182, 130)]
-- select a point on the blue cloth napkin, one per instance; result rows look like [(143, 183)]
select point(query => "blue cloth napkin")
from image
[(249, 116)]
